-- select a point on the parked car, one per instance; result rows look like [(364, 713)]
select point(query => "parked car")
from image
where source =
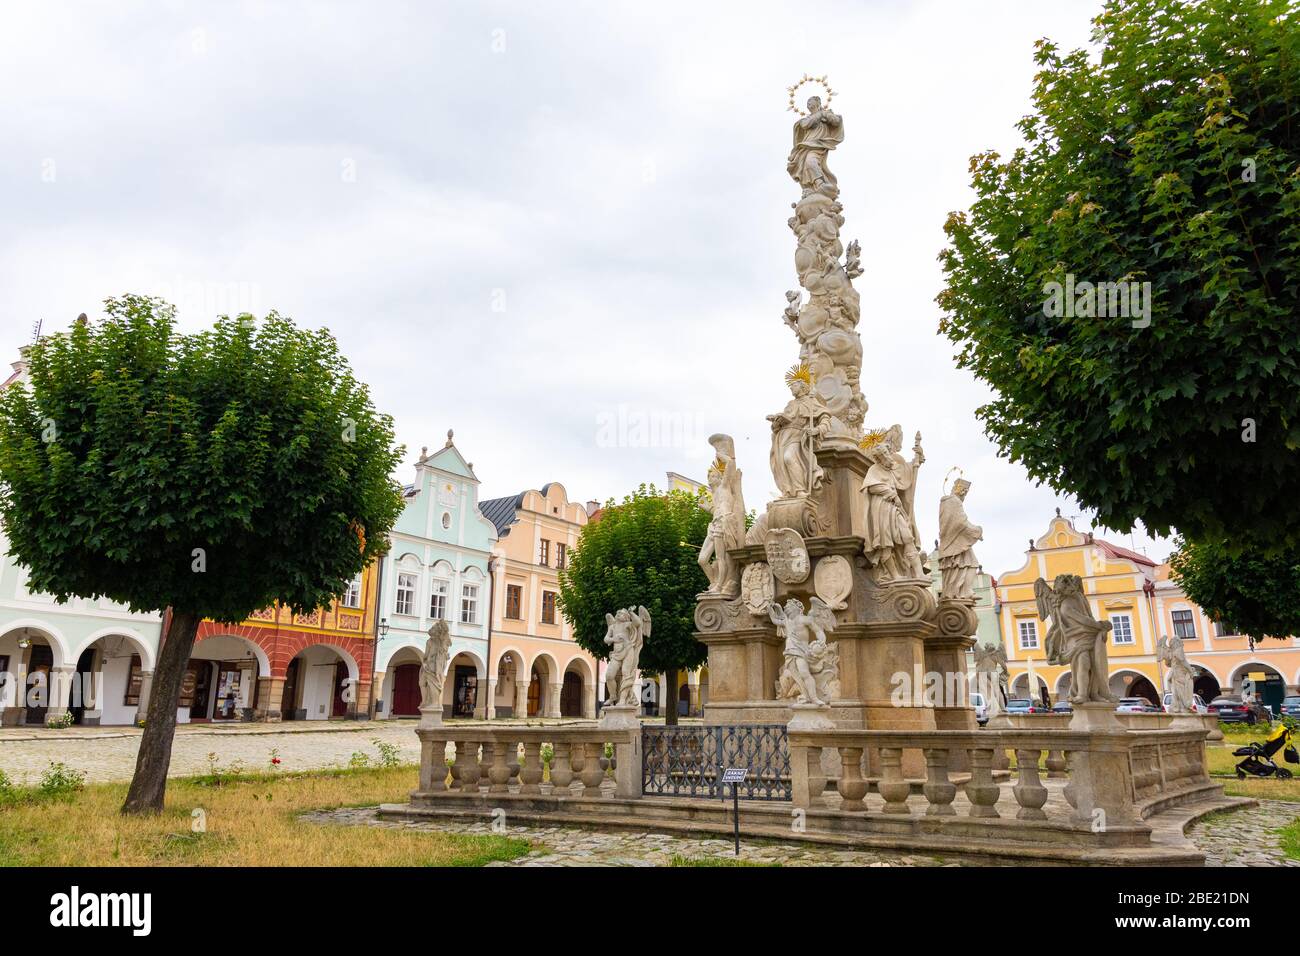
[(1063, 707), (1198, 705), (1135, 705), (981, 708), (1024, 705), (1234, 710), (1291, 706)]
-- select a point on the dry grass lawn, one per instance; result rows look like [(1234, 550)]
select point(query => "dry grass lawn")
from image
[(246, 821)]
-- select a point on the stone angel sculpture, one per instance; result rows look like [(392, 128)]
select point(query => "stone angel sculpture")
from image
[(1075, 638), (811, 672), (433, 666), (991, 677), (626, 633), (1180, 682)]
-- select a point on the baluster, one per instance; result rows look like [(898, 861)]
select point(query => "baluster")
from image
[(892, 786), (1030, 792), (938, 789), (485, 763), (457, 764), (470, 773), (433, 766), (530, 775), (512, 762), (1055, 764), (561, 769), (981, 790), (499, 772), (592, 772), (852, 786)]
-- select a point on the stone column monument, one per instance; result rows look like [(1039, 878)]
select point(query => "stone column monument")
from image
[(842, 535)]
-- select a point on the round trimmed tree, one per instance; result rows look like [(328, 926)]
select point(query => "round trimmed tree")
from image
[(641, 552), (212, 474)]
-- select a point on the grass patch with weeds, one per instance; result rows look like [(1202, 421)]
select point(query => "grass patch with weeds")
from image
[(1290, 839), (229, 819)]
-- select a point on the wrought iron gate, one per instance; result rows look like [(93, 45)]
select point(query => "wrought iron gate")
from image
[(688, 761)]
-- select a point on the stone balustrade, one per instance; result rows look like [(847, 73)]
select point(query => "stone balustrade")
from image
[(1114, 779), (508, 759)]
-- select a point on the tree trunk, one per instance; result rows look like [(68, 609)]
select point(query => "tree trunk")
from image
[(670, 697), (149, 784)]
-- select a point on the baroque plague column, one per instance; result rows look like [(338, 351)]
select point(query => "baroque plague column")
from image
[(841, 539)]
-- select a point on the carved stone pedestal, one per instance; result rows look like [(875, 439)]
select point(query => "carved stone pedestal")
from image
[(620, 717), (744, 661), (430, 717), (945, 657), (1097, 715)]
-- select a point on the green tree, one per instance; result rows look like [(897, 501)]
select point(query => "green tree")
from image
[(1170, 157), (213, 474), (641, 552), (1254, 593)]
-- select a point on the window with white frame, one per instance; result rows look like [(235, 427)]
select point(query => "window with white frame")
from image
[(1121, 629), (469, 604), (1028, 635), (352, 596), (438, 599), (405, 593), (1184, 624)]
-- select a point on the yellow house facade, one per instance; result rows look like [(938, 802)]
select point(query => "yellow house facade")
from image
[(1136, 595)]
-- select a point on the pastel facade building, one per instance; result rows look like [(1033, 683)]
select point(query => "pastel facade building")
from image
[(437, 569), (537, 669), (1136, 595)]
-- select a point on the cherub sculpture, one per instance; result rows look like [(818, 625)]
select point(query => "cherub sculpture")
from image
[(1180, 682), (1075, 638), (626, 633), (991, 677), (433, 666), (811, 673)]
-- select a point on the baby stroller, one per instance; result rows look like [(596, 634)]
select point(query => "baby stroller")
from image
[(1258, 760)]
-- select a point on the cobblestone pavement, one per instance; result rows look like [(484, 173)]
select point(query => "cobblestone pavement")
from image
[(1238, 838), (106, 754), (1246, 837), (570, 846)]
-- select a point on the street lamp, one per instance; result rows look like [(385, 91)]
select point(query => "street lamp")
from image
[(383, 627)]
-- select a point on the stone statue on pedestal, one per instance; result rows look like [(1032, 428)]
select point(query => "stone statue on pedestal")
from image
[(626, 633), (810, 674), (1075, 637), (815, 135), (796, 432), (1180, 682), (957, 537), (727, 528), (905, 476), (433, 667), (991, 677), (891, 545)]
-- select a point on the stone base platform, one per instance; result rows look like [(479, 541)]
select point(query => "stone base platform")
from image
[(1156, 841)]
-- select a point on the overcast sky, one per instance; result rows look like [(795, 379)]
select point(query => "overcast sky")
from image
[(558, 228)]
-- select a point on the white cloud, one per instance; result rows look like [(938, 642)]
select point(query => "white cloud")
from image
[(614, 175)]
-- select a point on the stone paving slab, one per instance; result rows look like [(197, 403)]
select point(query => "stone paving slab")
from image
[(1246, 837), (571, 846)]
